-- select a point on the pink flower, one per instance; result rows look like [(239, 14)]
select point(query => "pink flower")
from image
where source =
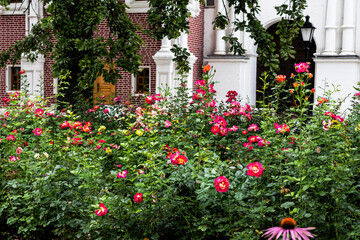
[(223, 131), (221, 184), (138, 197), (39, 112), (167, 123), (233, 129), (254, 169), (200, 82), (248, 146), (102, 211), (253, 127), (106, 111), (37, 131), (326, 125), (281, 128), (302, 67), (117, 99), (288, 229), (215, 129), (122, 174), (178, 159), (13, 158), (65, 125), (10, 138), (19, 150)]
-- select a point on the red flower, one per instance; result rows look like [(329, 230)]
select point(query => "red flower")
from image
[(255, 169), (22, 72), (138, 197), (102, 211), (313, 90), (280, 78), (178, 159), (221, 184), (37, 131)]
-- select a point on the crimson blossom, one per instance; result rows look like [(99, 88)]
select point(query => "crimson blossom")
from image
[(221, 184), (102, 211), (255, 169), (138, 197), (302, 67)]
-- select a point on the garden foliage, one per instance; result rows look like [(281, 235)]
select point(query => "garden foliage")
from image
[(181, 167)]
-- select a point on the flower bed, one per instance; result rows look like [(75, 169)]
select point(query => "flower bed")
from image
[(182, 167)]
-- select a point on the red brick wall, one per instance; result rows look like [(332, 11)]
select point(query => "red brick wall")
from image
[(12, 28), (196, 42)]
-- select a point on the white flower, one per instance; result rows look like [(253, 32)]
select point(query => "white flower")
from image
[(37, 156), (46, 154)]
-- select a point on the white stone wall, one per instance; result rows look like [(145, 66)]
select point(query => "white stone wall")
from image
[(337, 37)]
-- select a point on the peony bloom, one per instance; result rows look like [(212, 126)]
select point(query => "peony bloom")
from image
[(280, 78), (37, 131), (254, 169), (122, 174), (206, 68), (221, 184), (102, 211), (288, 229), (138, 197), (167, 123)]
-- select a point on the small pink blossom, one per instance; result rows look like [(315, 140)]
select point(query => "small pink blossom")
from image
[(10, 138), (122, 174), (221, 184), (326, 125), (19, 150), (167, 123), (302, 67), (138, 197), (281, 128), (253, 127), (254, 169), (13, 158), (102, 211), (37, 131), (106, 111)]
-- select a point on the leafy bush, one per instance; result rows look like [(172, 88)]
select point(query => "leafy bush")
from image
[(180, 167)]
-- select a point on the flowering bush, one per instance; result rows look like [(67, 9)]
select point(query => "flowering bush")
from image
[(181, 167)]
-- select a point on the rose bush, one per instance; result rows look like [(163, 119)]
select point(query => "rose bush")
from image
[(180, 167)]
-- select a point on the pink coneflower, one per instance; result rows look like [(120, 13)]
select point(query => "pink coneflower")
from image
[(102, 211), (288, 229), (221, 184)]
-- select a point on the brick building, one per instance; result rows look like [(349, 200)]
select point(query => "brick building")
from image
[(334, 53)]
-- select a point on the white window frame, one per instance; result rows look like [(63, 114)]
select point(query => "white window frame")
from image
[(8, 78), (14, 9), (133, 82), (137, 6)]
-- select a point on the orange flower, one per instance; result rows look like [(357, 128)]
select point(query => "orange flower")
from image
[(291, 91), (296, 84), (313, 90), (302, 83), (207, 68), (280, 78), (310, 75)]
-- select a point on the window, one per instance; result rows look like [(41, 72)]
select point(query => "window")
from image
[(14, 79), (210, 3), (142, 81)]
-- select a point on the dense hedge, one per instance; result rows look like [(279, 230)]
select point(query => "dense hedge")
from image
[(181, 167)]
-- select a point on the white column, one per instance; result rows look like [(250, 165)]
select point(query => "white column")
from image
[(348, 28), (184, 44), (330, 28), (164, 65), (220, 45)]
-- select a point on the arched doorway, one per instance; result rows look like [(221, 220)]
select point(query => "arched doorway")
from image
[(287, 66)]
